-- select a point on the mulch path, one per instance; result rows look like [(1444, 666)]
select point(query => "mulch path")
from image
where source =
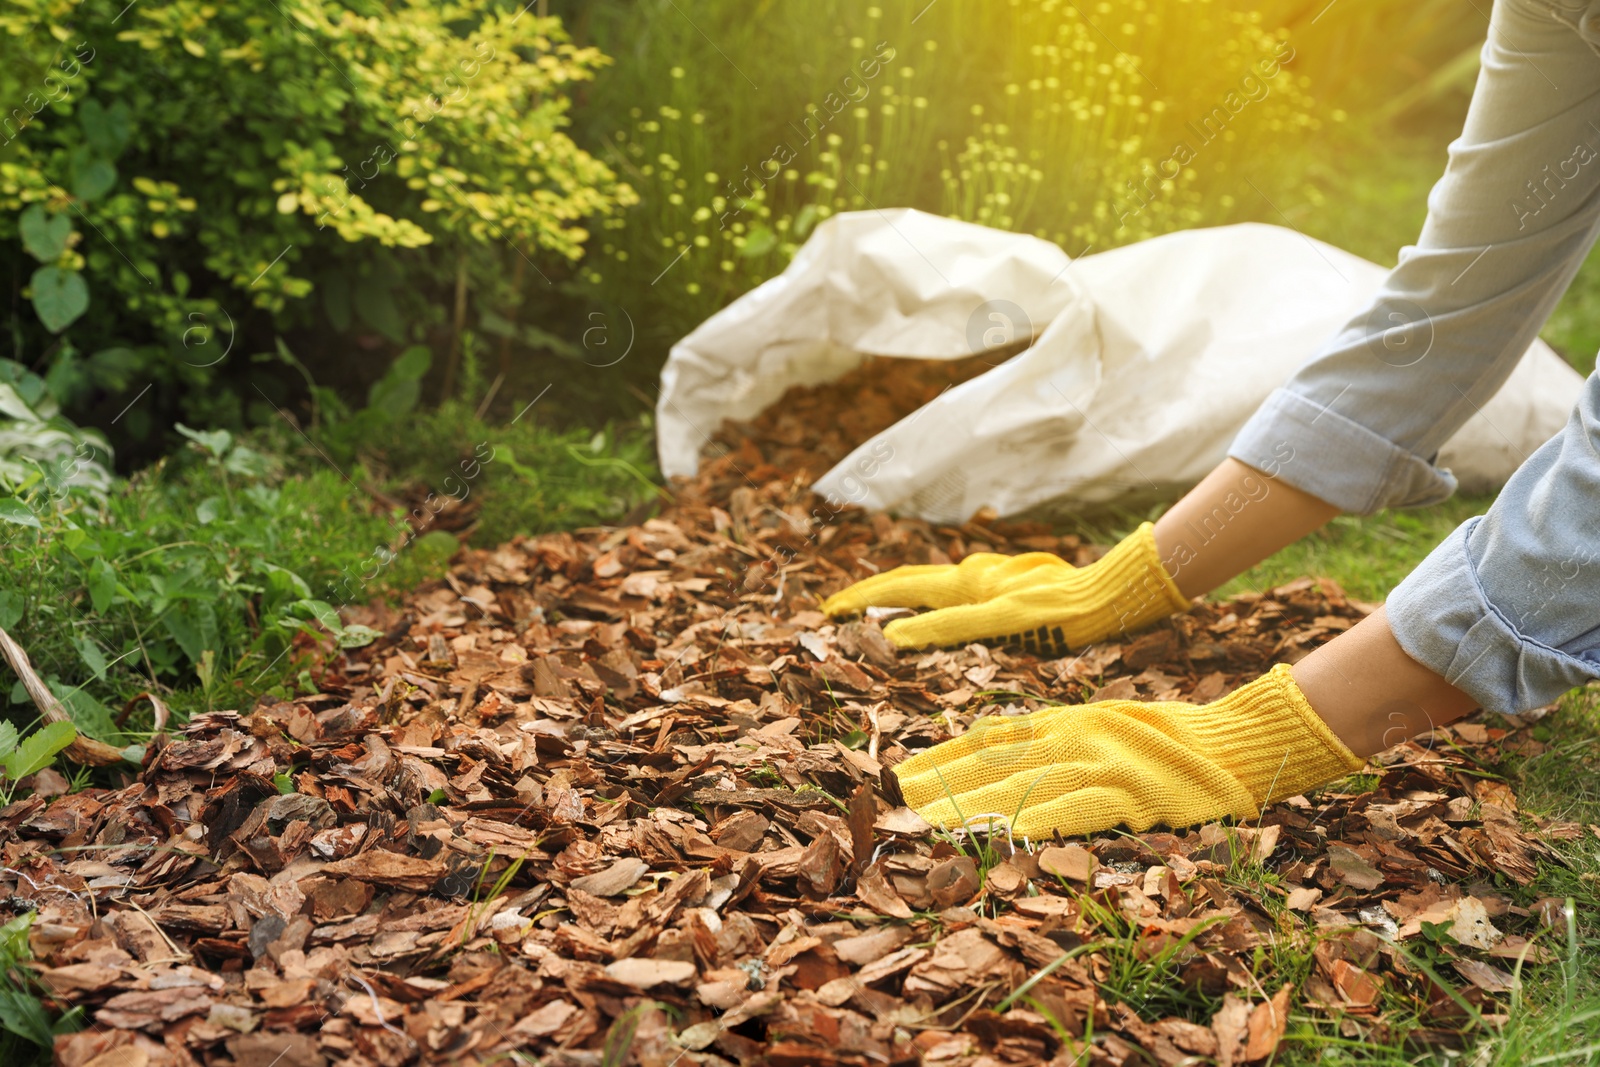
[(610, 797)]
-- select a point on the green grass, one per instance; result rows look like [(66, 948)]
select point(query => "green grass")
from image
[(540, 477), (1367, 555), (1379, 208), (1373, 209), (1574, 326), (189, 580), (1034, 117), (197, 578), (1556, 1019)]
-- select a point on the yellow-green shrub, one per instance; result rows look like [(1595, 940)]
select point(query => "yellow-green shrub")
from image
[(196, 176)]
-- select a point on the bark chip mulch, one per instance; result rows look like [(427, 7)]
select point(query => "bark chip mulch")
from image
[(612, 797)]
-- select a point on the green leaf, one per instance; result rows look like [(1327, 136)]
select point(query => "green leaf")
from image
[(106, 129), (283, 583), (761, 241), (323, 612), (534, 337), (59, 296), (80, 544), (8, 739), (496, 325), (14, 510), (92, 657), (437, 546), (44, 236), (804, 219), (358, 636), (65, 379), (398, 391), (207, 510), (376, 305), (14, 946), (23, 1015), (183, 630), (114, 369), (194, 627), (336, 299), (247, 462), (413, 363), (36, 752), (215, 442), (93, 179), (102, 585), (29, 387), (87, 713)]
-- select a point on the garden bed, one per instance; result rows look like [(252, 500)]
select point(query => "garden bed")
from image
[(612, 797)]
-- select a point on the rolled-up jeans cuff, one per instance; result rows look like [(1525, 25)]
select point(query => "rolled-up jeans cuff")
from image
[(1444, 620), (1318, 451)]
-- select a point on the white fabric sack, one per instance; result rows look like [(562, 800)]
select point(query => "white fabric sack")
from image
[(1148, 360)]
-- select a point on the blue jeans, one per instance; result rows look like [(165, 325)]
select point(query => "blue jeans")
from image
[(1507, 608)]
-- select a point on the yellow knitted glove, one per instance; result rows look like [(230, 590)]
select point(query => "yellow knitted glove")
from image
[(1036, 600), (1092, 767)]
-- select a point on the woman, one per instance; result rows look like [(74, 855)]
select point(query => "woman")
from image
[(1504, 614)]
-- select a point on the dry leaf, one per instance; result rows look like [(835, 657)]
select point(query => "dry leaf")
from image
[(903, 821), (647, 973), (1301, 898), (1489, 979), (1073, 862), (1231, 1024), (822, 866), (953, 881), (1470, 925), (391, 869), (614, 880), (1268, 1020), (1357, 988), (876, 893), (629, 713), (863, 813), (1352, 869)]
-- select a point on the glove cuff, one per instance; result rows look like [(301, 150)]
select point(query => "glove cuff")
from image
[(1136, 587), (1268, 736)]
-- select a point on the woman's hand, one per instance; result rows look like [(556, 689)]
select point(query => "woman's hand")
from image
[(1037, 601), (1084, 769)]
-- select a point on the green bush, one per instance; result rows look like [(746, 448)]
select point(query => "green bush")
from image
[(36, 438), (181, 181), (195, 573)]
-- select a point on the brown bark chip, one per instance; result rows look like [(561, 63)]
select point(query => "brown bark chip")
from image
[(630, 781)]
